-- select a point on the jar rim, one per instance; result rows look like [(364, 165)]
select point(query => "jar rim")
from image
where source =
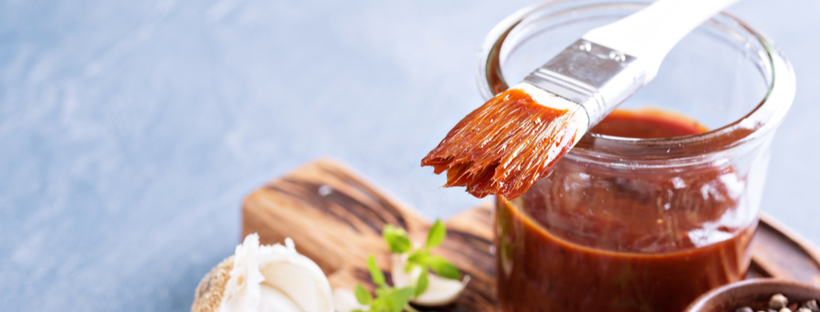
[(765, 117)]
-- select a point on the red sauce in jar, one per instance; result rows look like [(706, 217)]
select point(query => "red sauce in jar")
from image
[(622, 242), (647, 124)]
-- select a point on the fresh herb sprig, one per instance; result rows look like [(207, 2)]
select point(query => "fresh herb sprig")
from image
[(399, 243), (388, 299)]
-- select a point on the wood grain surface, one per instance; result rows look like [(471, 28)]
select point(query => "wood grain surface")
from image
[(335, 217)]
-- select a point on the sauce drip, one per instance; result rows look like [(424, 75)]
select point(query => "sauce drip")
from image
[(504, 146), (582, 240)]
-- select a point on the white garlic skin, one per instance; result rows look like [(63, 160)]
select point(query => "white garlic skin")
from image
[(275, 278)]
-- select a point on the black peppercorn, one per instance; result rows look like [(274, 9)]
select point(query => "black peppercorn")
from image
[(778, 301), (812, 305)]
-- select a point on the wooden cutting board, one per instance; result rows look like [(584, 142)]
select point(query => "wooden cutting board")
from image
[(335, 217)]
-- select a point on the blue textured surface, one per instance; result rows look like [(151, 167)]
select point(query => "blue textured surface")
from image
[(130, 131)]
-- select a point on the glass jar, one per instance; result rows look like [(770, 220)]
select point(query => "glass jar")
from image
[(626, 224)]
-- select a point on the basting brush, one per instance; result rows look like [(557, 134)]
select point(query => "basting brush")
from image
[(518, 136)]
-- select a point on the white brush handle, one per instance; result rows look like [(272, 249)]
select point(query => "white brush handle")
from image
[(650, 33)]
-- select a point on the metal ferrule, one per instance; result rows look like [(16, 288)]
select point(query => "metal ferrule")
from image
[(597, 77)]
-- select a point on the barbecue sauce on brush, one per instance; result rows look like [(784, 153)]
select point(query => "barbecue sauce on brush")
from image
[(503, 157), (598, 243)]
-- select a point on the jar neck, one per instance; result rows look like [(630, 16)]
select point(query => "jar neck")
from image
[(748, 132)]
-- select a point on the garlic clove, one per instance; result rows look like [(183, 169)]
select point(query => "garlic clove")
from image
[(273, 300), (400, 277), (440, 291), (345, 301), (298, 277)]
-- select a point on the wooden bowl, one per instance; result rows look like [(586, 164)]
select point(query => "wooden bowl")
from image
[(754, 293)]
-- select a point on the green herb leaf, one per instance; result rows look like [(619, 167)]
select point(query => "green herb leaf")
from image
[(417, 258), (437, 234), (397, 239), (383, 292), (400, 298), (421, 285), (443, 268), (375, 272), (362, 295), (390, 305)]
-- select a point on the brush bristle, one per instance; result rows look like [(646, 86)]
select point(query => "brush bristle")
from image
[(505, 146)]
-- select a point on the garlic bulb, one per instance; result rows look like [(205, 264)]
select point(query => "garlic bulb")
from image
[(440, 291), (262, 279)]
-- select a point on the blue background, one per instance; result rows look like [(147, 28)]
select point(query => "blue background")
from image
[(130, 131)]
